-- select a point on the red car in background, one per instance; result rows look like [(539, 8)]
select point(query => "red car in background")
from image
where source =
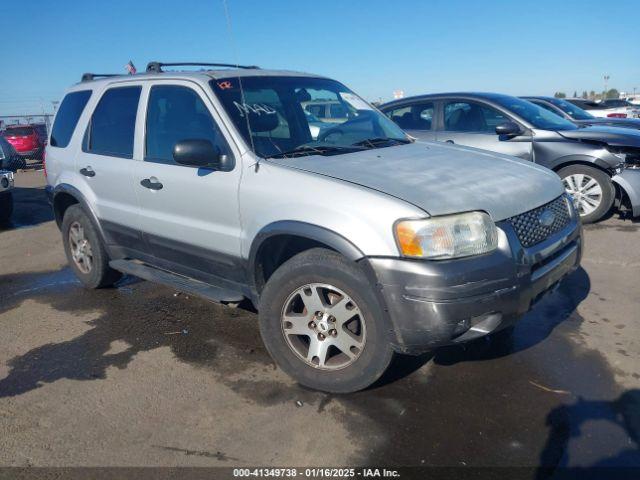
[(25, 140)]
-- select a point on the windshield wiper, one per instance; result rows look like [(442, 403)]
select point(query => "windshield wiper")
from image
[(306, 150), (381, 141)]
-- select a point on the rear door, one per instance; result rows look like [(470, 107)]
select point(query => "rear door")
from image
[(105, 166), (473, 124), (190, 215), (417, 119)]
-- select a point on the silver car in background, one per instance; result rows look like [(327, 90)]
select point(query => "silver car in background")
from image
[(599, 165)]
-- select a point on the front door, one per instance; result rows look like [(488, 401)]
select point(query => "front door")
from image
[(474, 124), (189, 215)]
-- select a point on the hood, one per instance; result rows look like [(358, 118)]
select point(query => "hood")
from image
[(442, 179), (623, 137)]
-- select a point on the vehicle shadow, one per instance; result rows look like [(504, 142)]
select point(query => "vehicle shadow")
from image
[(30, 208), (569, 422), (140, 314)]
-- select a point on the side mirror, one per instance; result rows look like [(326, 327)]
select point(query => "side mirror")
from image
[(199, 153), (508, 128)]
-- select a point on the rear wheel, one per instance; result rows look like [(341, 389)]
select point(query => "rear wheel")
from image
[(85, 253), (320, 321), (592, 190), (6, 207)]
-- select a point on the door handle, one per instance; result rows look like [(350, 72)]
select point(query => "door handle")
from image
[(87, 171), (151, 183), (450, 141)]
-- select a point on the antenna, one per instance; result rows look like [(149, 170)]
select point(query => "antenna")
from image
[(242, 97)]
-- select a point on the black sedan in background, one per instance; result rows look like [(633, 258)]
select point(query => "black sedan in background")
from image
[(598, 165), (579, 116)]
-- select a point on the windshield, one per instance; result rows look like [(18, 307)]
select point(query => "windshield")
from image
[(291, 116), (537, 116), (572, 110)]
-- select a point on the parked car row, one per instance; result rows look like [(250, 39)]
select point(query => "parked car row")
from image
[(352, 240), (599, 164), (609, 108)]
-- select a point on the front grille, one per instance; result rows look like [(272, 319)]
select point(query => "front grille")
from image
[(531, 231)]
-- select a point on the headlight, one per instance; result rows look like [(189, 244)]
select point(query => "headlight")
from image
[(445, 237)]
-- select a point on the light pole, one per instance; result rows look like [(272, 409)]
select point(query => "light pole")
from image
[(606, 80)]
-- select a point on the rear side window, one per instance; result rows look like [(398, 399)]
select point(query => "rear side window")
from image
[(413, 117), (67, 118), (113, 123)]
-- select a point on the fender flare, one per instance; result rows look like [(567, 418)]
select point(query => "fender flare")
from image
[(561, 162), (84, 204), (304, 230)]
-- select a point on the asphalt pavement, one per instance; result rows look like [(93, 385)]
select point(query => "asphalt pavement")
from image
[(141, 375)]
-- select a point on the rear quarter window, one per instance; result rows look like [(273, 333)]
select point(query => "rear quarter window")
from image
[(67, 118)]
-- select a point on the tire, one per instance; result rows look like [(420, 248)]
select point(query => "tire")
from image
[(95, 273), (6, 207), (577, 180), (322, 270)]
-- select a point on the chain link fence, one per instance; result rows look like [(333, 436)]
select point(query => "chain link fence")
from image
[(24, 138)]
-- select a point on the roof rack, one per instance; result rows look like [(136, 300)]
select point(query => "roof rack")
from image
[(157, 66), (87, 77)]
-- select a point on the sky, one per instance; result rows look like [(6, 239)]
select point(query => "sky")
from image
[(535, 47)]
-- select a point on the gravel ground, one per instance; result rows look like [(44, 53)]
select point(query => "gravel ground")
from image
[(139, 375)]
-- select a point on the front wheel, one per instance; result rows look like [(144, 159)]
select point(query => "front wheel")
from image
[(592, 190), (321, 323)]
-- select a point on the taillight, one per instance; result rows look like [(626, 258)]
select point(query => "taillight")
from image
[(44, 163), (617, 115)]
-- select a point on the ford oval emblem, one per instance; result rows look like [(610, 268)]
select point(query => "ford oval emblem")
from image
[(546, 218)]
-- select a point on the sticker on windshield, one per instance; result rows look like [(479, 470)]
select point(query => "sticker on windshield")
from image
[(355, 101), (225, 85)]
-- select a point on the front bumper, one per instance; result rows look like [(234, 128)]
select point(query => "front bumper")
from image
[(433, 303), (6, 181), (629, 181)]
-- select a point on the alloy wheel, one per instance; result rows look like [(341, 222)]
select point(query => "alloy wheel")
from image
[(585, 190), (81, 251), (323, 326)]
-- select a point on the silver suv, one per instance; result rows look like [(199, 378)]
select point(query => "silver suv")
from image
[(354, 242)]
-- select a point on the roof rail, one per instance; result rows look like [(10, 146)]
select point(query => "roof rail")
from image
[(87, 77), (157, 66)]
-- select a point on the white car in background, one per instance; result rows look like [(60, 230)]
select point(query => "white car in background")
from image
[(610, 108)]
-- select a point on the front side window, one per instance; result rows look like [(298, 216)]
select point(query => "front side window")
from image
[(293, 116), (413, 117), (176, 113), (67, 118), (112, 128), (472, 117)]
